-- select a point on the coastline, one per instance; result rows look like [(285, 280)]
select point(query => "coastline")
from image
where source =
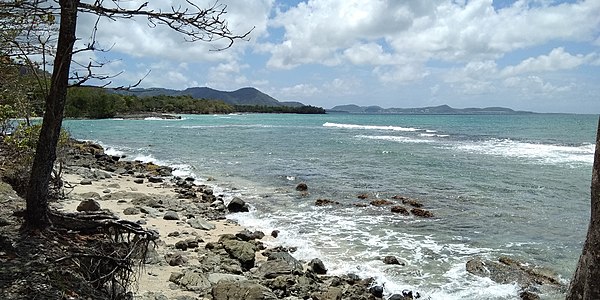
[(200, 254)]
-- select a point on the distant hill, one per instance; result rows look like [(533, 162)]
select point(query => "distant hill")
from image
[(243, 96), (430, 110)]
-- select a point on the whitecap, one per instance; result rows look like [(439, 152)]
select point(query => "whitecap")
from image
[(398, 139), (369, 127), (543, 153)]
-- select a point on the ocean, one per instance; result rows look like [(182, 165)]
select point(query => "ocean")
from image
[(498, 185)]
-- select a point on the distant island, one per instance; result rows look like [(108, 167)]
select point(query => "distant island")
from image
[(99, 103), (244, 96), (430, 110)]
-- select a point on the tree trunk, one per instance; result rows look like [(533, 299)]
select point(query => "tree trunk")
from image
[(37, 192), (586, 280)]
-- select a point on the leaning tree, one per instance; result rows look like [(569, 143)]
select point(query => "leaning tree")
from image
[(586, 280), (195, 23)]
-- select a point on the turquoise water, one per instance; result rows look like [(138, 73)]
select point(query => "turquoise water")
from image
[(498, 185)]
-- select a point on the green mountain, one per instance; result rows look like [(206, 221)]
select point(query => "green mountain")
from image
[(430, 110), (243, 96)]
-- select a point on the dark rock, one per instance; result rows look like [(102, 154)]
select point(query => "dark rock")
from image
[(400, 210), (238, 205), (171, 215), (399, 197), (226, 290), (302, 187), (363, 196), (193, 281), (412, 202), (274, 268), (381, 202), (88, 205), (244, 252), (154, 179), (360, 204), (317, 266), (181, 245), (132, 211), (85, 182), (391, 260), (507, 270), (175, 259), (419, 212), (138, 180), (246, 235), (324, 202), (376, 290), (528, 295), (275, 233), (174, 234)]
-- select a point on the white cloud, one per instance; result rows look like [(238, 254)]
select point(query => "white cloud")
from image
[(557, 59), (136, 38)]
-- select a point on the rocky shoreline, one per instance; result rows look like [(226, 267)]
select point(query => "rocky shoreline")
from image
[(199, 254)]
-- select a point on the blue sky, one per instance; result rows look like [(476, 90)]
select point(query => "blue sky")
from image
[(538, 55)]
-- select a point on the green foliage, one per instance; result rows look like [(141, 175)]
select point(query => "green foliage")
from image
[(22, 142), (90, 102)]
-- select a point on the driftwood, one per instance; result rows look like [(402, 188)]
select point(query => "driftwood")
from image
[(114, 250)]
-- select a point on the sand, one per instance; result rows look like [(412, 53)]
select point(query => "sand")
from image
[(154, 278)]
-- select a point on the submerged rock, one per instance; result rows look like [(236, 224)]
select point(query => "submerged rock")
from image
[(400, 210), (419, 212), (324, 202), (381, 202), (302, 187)]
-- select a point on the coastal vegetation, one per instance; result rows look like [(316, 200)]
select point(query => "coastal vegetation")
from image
[(97, 103)]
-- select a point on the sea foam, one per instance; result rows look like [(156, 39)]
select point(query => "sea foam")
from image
[(369, 127)]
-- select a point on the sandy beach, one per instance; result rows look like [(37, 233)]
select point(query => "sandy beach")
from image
[(155, 277)]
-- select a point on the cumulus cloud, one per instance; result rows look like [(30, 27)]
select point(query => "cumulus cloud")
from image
[(557, 59), (138, 38), (406, 34)]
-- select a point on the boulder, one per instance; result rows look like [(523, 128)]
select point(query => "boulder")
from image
[(278, 264), (238, 205), (302, 187), (138, 180), (227, 290), (215, 278), (175, 259), (324, 202), (391, 260), (412, 202), (381, 202), (171, 215), (85, 182), (275, 233), (199, 223), (528, 295), (507, 270), (193, 281), (131, 211), (419, 212), (88, 205), (247, 235), (317, 266), (244, 252), (332, 293), (155, 179), (377, 291), (363, 196), (400, 210)]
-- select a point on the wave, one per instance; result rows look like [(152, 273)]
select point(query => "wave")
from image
[(393, 138), (545, 153), (369, 127)]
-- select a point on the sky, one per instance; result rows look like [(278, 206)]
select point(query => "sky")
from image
[(535, 55)]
